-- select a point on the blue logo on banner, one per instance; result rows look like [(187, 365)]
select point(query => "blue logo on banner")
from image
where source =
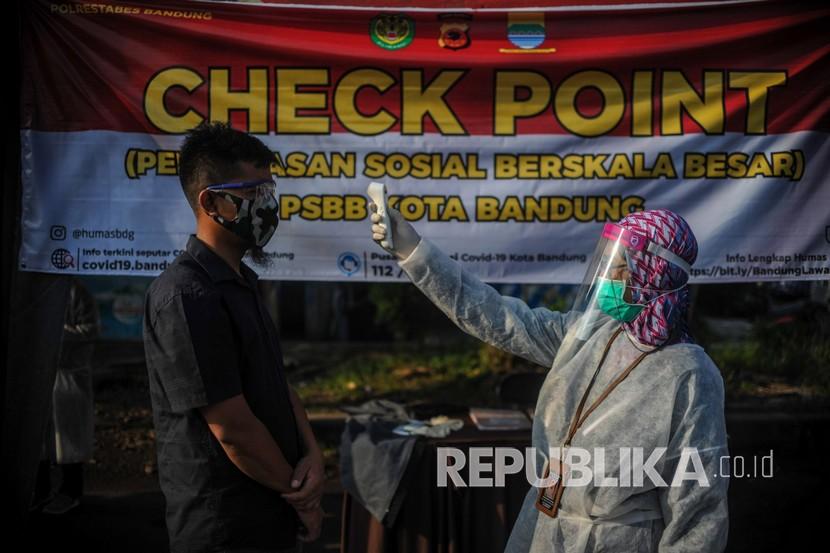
[(526, 30), (348, 263)]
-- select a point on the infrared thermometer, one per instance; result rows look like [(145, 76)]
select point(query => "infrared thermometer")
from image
[(377, 193)]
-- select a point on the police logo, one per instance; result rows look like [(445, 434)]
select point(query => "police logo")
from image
[(392, 31), (455, 31)]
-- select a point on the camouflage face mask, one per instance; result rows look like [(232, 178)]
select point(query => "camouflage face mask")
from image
[(256, 219)]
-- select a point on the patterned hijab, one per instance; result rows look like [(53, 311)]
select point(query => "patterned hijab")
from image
[(652, 276)]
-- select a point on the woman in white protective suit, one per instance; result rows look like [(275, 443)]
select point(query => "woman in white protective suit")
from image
[(627, 384)]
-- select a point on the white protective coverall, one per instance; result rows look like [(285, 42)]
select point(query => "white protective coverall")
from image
[(673, 399)]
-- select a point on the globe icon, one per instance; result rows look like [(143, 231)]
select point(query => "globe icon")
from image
[(62, 259)]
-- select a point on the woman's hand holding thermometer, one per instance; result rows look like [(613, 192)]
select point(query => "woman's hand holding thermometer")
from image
[(377, 193), (389, 229)]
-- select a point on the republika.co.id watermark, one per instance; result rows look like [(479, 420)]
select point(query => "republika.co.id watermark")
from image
[(489, 466)]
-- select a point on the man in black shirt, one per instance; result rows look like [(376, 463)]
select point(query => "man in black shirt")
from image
[(238, 463)]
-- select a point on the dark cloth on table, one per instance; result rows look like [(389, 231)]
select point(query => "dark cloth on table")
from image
[(378, 410), (443, 519), (373, 459), (207, 338)]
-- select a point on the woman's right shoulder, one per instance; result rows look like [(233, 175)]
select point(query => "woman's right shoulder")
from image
[(694, 366)]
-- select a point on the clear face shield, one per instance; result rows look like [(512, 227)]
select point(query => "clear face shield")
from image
[(258, 190), (607, 290)]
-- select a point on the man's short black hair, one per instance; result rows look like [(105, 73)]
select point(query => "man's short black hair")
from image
[(211, 153)]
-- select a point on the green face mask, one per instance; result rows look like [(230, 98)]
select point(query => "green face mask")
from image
[(610, 300)]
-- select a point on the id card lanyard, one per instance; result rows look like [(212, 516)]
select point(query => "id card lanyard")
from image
[(551, 496)]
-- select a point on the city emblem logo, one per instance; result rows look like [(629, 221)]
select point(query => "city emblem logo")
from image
[(526, 31), (392, 31), (455, 31)]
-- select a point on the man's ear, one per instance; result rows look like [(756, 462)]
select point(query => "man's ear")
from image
[(206, 202)]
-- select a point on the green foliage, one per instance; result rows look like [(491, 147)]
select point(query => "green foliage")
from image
[(405, 311), (793, 349), (735, 360), (494, 359), (432, 374), (797, 348), (558, 303), (389, 302)]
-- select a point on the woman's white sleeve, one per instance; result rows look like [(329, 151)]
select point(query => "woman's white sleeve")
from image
[(694, 505), (479, 310)]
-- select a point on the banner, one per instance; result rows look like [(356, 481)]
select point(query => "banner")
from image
[(506, 137)]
